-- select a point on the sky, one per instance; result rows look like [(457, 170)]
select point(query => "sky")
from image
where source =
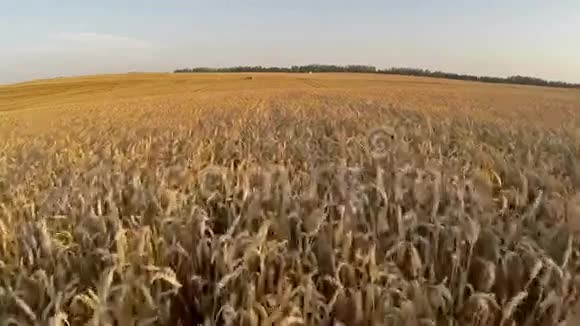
[(49, 38)]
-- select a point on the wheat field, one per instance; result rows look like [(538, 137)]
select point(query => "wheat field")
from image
[(287, 199)]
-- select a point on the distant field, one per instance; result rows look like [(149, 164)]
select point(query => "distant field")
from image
[(526, 103), (287, 199)]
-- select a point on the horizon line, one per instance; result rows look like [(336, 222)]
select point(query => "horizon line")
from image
[(385, 70)]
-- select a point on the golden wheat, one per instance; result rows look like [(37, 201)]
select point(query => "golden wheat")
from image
[(268, 202)]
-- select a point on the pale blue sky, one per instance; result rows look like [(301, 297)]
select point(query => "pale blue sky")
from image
[(48, 38)]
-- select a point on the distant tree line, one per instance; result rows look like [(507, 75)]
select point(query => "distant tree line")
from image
[(307, 68), (520, 80), (235, 69), (334, 68)]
